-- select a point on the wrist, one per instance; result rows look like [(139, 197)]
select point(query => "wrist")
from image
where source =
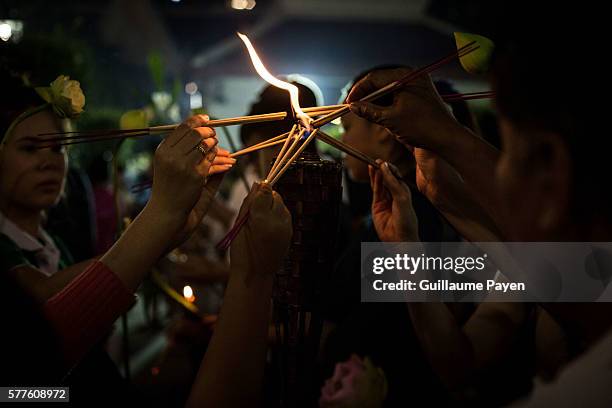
[(155, 212), (247, 280), (453, 142)]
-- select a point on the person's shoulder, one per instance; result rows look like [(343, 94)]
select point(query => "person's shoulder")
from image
[(65, 255), (11, 256)]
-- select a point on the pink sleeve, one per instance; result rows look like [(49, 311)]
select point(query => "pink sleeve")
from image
[(84, 311)]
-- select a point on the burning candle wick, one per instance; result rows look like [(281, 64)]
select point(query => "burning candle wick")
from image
[(188, 294)]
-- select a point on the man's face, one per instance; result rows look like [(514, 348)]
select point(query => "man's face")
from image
[(533, 179)]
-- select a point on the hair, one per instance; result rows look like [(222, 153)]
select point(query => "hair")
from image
[(541, 80), (15, 99), (273, 99)]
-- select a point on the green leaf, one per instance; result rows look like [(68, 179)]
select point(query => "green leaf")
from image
[(134, 119), (476, 62), (156, 68)]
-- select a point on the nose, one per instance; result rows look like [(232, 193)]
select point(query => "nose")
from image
[(51, 159)]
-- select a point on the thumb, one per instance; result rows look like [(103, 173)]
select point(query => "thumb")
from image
[(262, 200), (246, 203), (373, 113)]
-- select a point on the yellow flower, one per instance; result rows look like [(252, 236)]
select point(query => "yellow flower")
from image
[(476, 62), (65, 96)]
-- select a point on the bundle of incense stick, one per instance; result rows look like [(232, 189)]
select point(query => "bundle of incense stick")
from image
[(287, 156), (324, 137), (70, 138), (75, 137)]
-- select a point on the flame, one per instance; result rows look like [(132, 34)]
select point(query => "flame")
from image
[(268, 77), (188, 293)]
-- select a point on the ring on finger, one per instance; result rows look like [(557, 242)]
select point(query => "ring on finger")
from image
[(203, 149)]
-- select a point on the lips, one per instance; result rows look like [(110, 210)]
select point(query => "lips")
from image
[(49, 184)]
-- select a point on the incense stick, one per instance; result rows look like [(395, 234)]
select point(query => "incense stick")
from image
[(224, 244), (295, 156), (290, 150), (77, 137), (351, 151), (239, 120), (256, 148), (397, 84), (282, 151), (345, 109)]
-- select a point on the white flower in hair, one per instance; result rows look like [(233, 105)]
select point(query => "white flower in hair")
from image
[(65, 96)]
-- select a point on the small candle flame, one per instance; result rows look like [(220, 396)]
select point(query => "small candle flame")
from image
[(268, 77), (188, 294)]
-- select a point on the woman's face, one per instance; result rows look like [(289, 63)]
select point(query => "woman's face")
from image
[(31, 178), (359, 133)]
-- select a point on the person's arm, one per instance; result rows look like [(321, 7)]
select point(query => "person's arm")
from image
[(180, 198), (201, 269), (43, 287), (456, 352), (233, 366), (83, 310), (419, 118), (445, 189), (155, 221)]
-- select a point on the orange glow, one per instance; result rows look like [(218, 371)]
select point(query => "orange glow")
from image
[(188, 294), (268, 77)]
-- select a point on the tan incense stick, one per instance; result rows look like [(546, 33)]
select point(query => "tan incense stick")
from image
[(295, 156), (252, 149), (288, 153), (282, 151)]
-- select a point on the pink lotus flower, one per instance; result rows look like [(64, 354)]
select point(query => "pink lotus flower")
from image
[(355, 383)]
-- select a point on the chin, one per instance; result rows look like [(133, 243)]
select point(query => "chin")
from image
[(45, 201)]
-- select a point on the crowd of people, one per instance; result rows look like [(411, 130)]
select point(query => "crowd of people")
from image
[(439, 179)]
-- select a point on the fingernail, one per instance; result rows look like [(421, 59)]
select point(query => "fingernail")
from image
[(233, 160)]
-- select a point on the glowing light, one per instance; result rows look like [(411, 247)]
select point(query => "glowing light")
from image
[(11, 30), (268, 77), (191, 88), (6, 31), (188, 294), (243, 4)]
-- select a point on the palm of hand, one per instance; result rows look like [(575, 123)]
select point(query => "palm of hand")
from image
[(392, 222)]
